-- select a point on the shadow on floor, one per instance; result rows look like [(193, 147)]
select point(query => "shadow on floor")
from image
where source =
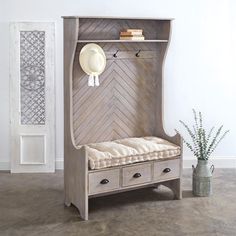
[(187, 194)]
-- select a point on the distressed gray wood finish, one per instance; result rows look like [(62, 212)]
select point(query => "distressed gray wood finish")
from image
[(95, 186), (122, 106), (95, 29), (128, 103), (129, 172), (123, 176), (173, 165), (75, 159)]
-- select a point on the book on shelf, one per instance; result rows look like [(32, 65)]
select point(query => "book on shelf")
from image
[(132, 37), (135, 30), (133, 33)]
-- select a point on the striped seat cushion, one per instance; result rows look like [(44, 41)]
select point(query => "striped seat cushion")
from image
[(129, 150)]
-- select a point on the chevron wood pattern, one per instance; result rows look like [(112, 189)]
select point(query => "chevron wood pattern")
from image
[(122, 106)]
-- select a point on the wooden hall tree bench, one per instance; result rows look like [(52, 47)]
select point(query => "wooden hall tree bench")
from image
[(114, 138)]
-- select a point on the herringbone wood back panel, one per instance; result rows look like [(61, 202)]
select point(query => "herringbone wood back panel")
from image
[(122, 106), (125, 104)]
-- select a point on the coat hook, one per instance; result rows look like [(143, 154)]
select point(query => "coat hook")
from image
[(137, 54), (115, 55)]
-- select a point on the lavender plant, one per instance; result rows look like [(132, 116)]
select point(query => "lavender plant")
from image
[(203, 144)]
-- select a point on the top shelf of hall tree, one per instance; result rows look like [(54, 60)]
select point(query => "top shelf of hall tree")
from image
[(123, 41)]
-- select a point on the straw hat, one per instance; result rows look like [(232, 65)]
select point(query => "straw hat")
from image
[(93, 62)]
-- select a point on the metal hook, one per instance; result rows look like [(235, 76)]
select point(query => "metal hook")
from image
[(115, 55), (137, 54)]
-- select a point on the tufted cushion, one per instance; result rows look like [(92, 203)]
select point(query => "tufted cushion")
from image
[(129, 150)]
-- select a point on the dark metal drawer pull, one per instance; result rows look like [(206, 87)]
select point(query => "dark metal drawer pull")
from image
[(104, 181), (166, 170), (137, 175)]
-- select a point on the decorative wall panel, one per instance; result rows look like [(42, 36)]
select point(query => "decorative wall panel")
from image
[(32, 77), (32, 102)]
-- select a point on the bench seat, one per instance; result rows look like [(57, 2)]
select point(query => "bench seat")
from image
[(129, 150)]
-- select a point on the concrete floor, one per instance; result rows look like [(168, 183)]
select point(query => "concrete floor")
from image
[(32, 204)]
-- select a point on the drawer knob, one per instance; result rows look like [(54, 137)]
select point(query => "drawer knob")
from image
[(137, 175), (166, 170), (104, 181)]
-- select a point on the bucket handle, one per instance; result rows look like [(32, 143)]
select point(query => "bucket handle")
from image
[(212, 168)]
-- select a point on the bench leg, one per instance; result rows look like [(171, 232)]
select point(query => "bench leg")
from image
[(82, 206), (175, 186), (79, 187), (67, 203)]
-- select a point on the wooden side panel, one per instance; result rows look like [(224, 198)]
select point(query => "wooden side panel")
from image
[(75, 159), (69, 48)]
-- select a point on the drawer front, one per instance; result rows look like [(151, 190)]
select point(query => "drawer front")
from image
[(104, 181), (166, 169), (136, 175)]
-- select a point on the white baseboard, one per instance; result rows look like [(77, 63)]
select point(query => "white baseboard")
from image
[(5, 165), (59, 164), (219, 162)]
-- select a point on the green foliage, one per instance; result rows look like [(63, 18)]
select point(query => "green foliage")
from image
[(203, 144)]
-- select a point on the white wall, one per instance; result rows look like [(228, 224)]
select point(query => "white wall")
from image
[(199, 70)]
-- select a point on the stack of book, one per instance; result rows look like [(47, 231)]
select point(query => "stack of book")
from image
[(132, 34)]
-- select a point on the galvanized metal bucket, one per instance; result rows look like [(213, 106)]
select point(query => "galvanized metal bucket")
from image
[(202, 179)]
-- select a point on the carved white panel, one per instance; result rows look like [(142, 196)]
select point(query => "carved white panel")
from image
[(32, 149), (32, 76), (32, 97)]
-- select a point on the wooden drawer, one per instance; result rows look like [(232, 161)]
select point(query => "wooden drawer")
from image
[(166, 169), (137, 174), (104, 181)]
